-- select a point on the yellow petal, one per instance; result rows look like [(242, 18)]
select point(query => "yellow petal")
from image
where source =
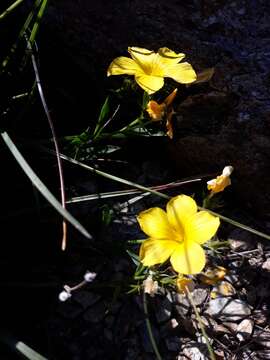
[(179, 209), (169, 57), (143, 57), (201, 227), (123, 65), (218, 184), (188, 258), (155, 251), (154, 223), (169, 99), (149, 83), (182, 73), (155, 110)]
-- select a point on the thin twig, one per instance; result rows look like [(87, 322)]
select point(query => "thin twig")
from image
[(59, 162)]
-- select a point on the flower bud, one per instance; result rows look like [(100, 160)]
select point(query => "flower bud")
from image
[(64, 295), (89, 276)]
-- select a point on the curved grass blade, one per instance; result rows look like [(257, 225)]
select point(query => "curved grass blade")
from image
[(41, 186), (10, 9)]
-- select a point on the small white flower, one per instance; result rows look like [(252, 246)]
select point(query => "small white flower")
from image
[(64, 295), (89, 276)]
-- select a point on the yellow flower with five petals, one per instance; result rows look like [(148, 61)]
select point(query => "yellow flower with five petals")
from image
[(177, 234), (150, 68)]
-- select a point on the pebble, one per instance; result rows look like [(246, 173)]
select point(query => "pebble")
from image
[(227, 309), (194, 351), (240, 240), (173, 343), (266, 265), (182, 304), (244, 329), (164, 310), (96, 313), (262, 337), (223, 289), (199, 296)]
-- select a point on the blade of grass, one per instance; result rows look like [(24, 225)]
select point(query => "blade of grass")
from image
[(10, 9), (41, 186), (20, 36), (154, 192), (128, 192), (28, 352), (59, 162), (37, 22)]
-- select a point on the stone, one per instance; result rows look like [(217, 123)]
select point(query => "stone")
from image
[(227, 309), (195, 351), (173, 343), (244, 329), (266, 265), (163, 310), (199, 296), (95, 313), (241, 240), (224, 288), (262, 337)]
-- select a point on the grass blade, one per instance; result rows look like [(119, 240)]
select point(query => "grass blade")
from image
[(28, 352), (41, 186), (10, 9), (20, 36), (38, 20)]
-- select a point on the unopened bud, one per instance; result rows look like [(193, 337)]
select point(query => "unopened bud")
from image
[(64, 295), (89, 276)]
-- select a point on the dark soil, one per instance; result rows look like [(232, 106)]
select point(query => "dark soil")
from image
[(217, 124)]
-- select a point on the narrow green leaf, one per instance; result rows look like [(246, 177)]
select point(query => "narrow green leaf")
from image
[(38, 20), (20, 36), (41, 186), (28, 352), (102, 116), (134, 257), (10, 9)]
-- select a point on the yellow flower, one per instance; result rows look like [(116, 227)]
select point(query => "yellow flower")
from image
[(150, 68), (183, 283), (220, 182), (158, 111), (177, 234)]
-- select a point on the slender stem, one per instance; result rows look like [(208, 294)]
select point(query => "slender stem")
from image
[(209, 347), (59, 162), (149, 329)]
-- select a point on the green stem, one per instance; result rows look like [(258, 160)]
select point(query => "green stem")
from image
[(209, 347), (149, 329)]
